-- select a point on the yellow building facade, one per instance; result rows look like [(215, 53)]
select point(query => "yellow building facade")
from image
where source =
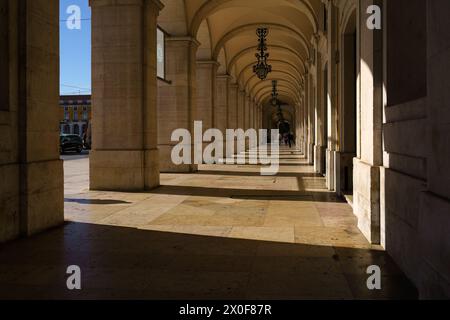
[(75, 114)]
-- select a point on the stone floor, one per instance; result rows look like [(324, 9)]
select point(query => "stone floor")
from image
[(225, 232)]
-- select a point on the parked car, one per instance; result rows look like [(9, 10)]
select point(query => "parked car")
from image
[(70, 142)]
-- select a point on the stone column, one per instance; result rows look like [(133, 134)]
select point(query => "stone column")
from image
[(310, 123), (206, 90), (331, 96), (253, 115), (258, 117), (221, 106), (247, 110), (434, 219), (241, 111), (299, 126), (233, 96), (124, 94), (176, 99), (320, 108), (366, 176), (254, 126), (31, 183)]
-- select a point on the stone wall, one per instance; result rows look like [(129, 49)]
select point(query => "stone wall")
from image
[(31, 184), (415, 197)]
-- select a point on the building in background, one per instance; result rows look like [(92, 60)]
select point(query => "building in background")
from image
[(75, 114)]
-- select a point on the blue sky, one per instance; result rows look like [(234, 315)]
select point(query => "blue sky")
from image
[(75, 50)]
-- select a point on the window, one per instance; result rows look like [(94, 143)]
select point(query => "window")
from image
[(66, 113), (160, 54), (85, 113), (4, 55), (75, 113)]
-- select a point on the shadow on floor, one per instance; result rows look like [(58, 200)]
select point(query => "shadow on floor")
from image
[(127, 263), (258, 174), (248, 193), (96, 201)]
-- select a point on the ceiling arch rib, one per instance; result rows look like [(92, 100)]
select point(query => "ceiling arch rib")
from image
[(252, 27), (266, 91), (278, 75), (283, 97), (275, 38), (271, 48), (262, 88), (222, 60), (208, 7), (231, 39), (278, 64), (204, 51)]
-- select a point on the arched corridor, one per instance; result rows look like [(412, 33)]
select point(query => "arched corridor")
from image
[(177, 188)]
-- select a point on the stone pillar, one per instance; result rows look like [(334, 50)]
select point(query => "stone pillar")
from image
[(221, 107), (255, 116), (233, 96), (299, 126), (232, 118), (241, 109), (310, 123), (366, 176), (124, 92), (320, 107), (331, 105), (176, 99), (258, 117), (31, 183), (206, 91), (246, 111), (435, 212)]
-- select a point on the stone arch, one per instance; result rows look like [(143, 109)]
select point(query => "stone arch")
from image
[(222, 60), (252, 27), (212, 6), (204, 50)]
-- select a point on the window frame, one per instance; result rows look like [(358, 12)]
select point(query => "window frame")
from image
[(166, 34)]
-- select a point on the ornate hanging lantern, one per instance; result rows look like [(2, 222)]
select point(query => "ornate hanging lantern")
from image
[(274, 93), (262, 69)]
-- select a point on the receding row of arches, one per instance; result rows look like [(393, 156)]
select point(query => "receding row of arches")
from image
[(366, 106)]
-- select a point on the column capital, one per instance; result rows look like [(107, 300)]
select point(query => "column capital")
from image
[(186, 39), (223, 76), (208, 62)]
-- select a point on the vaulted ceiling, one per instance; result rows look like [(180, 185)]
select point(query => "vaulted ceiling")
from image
[(226, 30)]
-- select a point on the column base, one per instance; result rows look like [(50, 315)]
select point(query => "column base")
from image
[(319, 159), (366, 199), (331, 169), (32, 198), (166, 164), (310, 153), (344, 173), (124, 170)]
